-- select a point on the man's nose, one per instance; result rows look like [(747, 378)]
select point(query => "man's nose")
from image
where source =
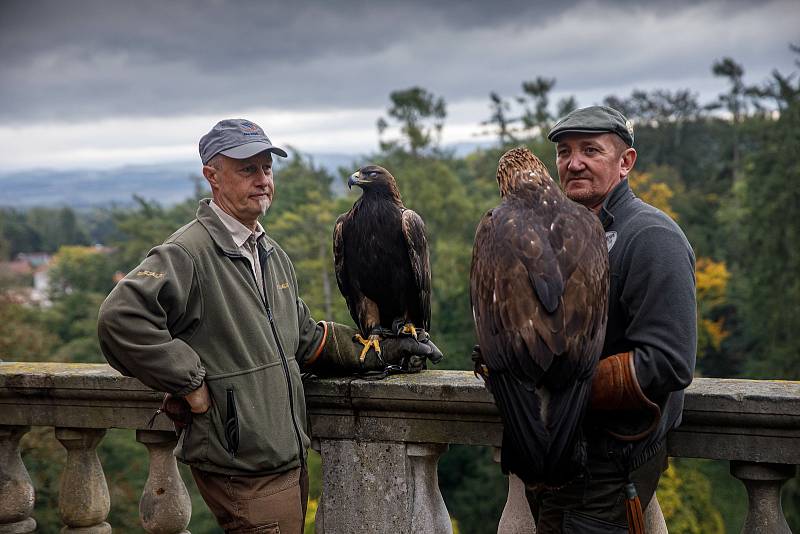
[(263, 177), (575, 163)]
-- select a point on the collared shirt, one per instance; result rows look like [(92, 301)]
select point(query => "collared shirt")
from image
[(245, 239)]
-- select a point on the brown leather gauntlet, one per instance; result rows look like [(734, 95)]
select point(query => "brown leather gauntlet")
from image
[(616, 388)]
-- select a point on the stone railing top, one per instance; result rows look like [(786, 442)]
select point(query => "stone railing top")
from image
[(723, 418)]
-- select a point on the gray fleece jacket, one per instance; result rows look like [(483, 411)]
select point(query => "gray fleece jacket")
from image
[(652, 311)]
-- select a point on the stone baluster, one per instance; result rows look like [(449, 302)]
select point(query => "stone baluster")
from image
[(319, 520), (654, 522), (516, 517), (83, 500), (429, 513), (16, 488), (763, 482), (165, 506)]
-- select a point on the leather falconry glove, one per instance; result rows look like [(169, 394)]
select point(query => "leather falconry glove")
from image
[(340, 353), (616, 388)]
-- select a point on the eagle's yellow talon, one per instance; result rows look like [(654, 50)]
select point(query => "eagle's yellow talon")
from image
[(371, 341), (409, 328)]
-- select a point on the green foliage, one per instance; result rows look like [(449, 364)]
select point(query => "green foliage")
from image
[(473, 488), (420, 115), (685, 498), (769, 259), (75, 268), (39, 230), (24, 336)]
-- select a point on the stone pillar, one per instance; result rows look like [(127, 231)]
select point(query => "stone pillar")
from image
[(83, 500), (517, 517), (763, 483), (366, 487), (165, 506), (16, 488), (654, 522), (429, 513)]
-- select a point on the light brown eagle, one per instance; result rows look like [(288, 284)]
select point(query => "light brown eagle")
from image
[(539, 287)]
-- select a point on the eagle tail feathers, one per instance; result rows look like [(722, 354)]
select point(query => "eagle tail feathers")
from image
[(543, 442)]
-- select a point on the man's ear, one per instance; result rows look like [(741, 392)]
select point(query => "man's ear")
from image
[(628, 159), (211, 175)]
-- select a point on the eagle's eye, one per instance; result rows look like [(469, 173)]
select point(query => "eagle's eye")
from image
[(372, 174)]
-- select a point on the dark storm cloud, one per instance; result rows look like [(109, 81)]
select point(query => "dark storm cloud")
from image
[(92, 59)]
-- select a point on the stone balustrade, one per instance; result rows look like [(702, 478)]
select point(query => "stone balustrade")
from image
[(380, 442)]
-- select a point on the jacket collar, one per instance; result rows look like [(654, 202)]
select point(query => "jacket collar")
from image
[(238, 231), (219, 233), (621, 192)]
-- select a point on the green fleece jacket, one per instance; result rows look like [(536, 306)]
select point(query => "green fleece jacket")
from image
[(191, 311)]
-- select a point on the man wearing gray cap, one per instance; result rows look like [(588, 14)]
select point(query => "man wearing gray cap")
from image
[(648, 356), (213, 318)]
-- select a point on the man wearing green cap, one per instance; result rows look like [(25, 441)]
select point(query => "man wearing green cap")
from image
[(213, 318), (648, 356)]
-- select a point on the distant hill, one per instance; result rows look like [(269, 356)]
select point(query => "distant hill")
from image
[(167, 183)]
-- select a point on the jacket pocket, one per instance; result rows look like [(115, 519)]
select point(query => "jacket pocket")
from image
[(231, 423), (251, 425)]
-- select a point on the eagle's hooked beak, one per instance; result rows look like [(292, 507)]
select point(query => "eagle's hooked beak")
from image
[(353, 180)]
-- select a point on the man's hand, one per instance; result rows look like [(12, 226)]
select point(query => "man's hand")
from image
[(199, 400)]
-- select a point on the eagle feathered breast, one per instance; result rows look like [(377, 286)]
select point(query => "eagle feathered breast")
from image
[(539, 287), (381, 257)]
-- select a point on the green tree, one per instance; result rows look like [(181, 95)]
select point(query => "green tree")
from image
[(685, 498), (536, 117), (500, 120), (769, 259), (420, 115)]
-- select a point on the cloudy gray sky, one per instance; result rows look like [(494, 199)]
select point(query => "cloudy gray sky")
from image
[(112, 82)]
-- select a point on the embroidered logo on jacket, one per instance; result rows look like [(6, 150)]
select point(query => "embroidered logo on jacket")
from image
[(611, 238), (150, 273), (284, 285)]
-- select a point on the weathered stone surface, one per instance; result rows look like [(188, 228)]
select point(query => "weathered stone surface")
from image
[(75, 396), (429, 513), (16, 488), (516, 517), (740, 420), (763, 483), (165, 506), (83, 499), (366, 488), (654, 518)]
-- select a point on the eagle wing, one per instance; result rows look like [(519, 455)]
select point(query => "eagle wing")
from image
[(417, 244), (351, 294), (533, 295)]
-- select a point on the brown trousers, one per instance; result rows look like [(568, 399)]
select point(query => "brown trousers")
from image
[(266, 504)]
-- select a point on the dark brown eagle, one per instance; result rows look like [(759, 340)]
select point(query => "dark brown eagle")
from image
[(539, 287), (381, 260)]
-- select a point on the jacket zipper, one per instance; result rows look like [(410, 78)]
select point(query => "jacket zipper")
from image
[(284, 361)]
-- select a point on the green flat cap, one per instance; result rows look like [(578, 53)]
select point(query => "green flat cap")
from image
[(594, 119)]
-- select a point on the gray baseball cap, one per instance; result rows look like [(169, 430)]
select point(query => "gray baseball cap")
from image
[(594, 119), (237, 139)]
